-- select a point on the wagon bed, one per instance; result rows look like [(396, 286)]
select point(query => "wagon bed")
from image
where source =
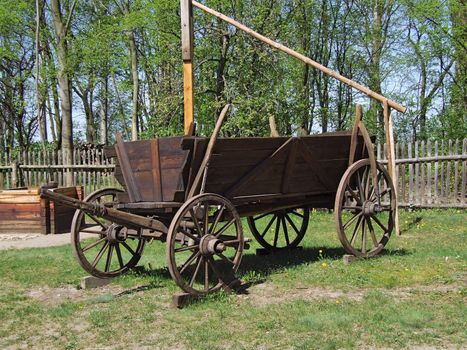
[(256, 174)]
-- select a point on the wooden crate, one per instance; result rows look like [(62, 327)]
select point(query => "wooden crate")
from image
[(23, 211)]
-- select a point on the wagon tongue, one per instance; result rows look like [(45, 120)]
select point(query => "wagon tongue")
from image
[(116, 216)]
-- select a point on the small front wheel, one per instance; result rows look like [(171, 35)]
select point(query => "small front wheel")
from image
[(205, 244), (364, 209), (103, 248)]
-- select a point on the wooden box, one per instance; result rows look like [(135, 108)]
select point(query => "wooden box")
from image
[(23, 211)]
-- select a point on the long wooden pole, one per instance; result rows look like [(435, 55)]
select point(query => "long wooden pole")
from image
[(299, 56), (186, 14)]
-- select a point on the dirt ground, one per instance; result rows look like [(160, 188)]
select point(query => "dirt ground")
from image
[(24, 241)]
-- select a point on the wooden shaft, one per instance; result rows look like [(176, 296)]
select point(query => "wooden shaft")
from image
[(353, 140), (114, 215), (186, 15), (209, 149), (188, 95), (299, 56)]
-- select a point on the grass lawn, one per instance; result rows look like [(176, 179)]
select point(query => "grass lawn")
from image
[(412, 295)]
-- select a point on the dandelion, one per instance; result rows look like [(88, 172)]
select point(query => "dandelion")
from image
[(338, 301), (324, 264)]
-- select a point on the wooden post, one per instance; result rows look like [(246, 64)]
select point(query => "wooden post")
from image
[(186, 13), (391, 157)]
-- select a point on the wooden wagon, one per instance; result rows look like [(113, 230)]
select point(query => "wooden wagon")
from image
[(191, 192)]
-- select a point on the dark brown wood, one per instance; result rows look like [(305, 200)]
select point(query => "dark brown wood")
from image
[(127, 172), (356, 127), (208, 153)]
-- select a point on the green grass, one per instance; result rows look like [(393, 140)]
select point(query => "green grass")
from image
[(414, 294)]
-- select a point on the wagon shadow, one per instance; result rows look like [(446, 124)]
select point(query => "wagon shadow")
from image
[(255, 269)]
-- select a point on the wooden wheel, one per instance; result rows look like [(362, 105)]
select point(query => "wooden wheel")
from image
[(103, 248), (204, 244), (280, 229), (364, 217)]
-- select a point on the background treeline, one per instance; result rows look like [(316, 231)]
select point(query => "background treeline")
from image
[(79, 71)]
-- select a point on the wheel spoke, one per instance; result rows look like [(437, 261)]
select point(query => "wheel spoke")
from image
[(360, 188), (119, 255), (91, 231), (276, 234), (188, 234), (286, 233), (195, 220), (198, 266), (226, 259), (128, 248), (97, 221), (212, 263), (100, 254), (94, 244), (233, 242), (353, 195), (372, 233), (355, 231), (297, 214), (363, 236), (292, 224), (379, 223), (261, 216), (224, 228), (109, 258), (184, 249), (268, 226), (189, 261), (218, 217), (206, 219), (351, 220), (206, 275)]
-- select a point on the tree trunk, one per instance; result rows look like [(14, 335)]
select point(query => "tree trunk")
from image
[(40, 101), (64, 83), (103, 111)]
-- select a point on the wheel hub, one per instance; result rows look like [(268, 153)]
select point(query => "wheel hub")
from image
[(371, 208), (117, 233), (210, 245)]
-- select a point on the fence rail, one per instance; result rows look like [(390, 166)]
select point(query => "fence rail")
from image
[(429, 174)]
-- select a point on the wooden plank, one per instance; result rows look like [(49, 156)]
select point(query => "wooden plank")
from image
[(403, 176), (353, 140), (312, 161), (290, 166), (422, 174), (156, 170), (260, 167), (435, 183), (464, 173), (411, 174), (417, 176), (442, 178), (448, 173), (455, 189), (429, 194), (127, 172), (186, 16)]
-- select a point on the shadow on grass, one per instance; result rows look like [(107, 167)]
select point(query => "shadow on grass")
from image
[(256, 268)]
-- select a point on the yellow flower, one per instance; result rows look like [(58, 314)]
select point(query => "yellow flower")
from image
[(324, 264), (338, 302)]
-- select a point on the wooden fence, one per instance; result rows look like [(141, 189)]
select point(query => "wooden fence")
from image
[(430, 174)]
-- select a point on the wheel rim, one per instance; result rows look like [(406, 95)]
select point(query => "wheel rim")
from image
[(103, 248), (364, 218), (280, 229), (205, 244)]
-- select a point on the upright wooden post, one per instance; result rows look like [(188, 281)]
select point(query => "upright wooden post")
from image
[(391, 158), (186, 14)]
